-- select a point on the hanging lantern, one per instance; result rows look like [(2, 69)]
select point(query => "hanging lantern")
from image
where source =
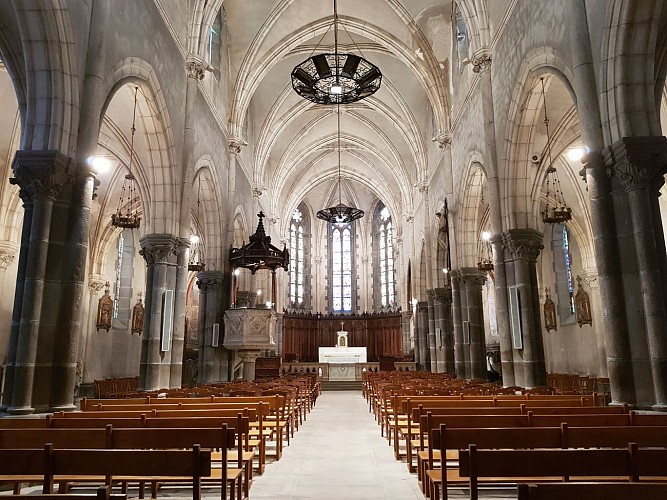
[(485, 263), (127, 215), (196, 246), (556, 210)]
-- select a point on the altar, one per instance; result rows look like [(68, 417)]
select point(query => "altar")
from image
[(342, 361)]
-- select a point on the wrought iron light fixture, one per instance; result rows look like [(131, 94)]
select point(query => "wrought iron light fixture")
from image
[(557, 212), (341, 213), (127, 215), (195, 241), (485, 263), (336, 78)]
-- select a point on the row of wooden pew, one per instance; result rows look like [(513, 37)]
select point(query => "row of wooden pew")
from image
[(164, 424), (454, 440)]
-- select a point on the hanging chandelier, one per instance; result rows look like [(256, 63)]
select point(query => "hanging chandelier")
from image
[(341, 213), (127, 215), (485, 263), (336, 78), (557, 212), (195, 240)]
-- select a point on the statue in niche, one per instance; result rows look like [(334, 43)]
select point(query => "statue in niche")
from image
[(138, 317), (105, 310), (549, 312), (582, 305)]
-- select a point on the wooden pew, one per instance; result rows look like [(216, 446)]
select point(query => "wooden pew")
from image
[(103, 493), (160, 465), (45, 464), (592, 491), (625, 464)]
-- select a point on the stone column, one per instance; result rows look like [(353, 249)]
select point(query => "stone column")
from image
[(279, 335), (406, 316), (639, 163), (473, 280), (523, 247), (45, 179), (443, 307), (590, 278), (180, 293), (160, 252), (422, 332), (213, 361), (249, 358), (457, 307), (430, 334), (481, 65), (415, 336), (95, 284)]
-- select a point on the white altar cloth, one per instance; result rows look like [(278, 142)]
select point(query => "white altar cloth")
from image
[(342, 355)]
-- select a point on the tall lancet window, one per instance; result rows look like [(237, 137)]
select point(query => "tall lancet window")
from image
[(386, 259), (384, 285), (296, 286), (341, 269)]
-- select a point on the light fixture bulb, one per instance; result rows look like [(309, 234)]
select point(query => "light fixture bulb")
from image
[(336, 89), (101, 164), (486, 236), (268, 304), (236, 272), (194, 239), (575, 154), (445, 270), (259, 292)]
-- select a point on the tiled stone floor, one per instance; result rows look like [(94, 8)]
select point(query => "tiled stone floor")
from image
[(337, 453)]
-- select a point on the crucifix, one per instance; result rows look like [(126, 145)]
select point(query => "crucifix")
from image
[(342, 337)]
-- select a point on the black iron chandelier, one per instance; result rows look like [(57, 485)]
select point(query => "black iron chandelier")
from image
[(341, 213), (557, 212), (127, 214), (336, 78)]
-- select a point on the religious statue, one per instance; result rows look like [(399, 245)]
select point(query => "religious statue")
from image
[(105, 310), (342, 337), (549, 312), (138, 317), (582, 305)]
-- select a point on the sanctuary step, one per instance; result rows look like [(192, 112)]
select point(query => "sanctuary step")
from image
[(341, 385)]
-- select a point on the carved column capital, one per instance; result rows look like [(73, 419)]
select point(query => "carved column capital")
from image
[(249, 356), (8, 251), (444, 140), (235, 144), (41, 173), (409, 217), (472, 276), (441, 295), (481, 62), (195, 67), (523, 243), (258, 190), (209, 280), (96, 283), (590, 278), (422, 187), (638, 161), (157, 248)]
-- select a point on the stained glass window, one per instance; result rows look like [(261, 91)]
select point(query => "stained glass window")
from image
[(386, 258), (297, 261), (119, 268), (341, 268), (568, 267), (215, 41)]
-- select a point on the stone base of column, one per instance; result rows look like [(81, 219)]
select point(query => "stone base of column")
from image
[(23, 410)]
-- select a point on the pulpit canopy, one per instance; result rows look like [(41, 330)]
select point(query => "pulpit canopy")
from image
[(259, 253)]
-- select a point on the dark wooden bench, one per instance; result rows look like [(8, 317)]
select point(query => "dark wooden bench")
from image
[(592, 491), (560, 464)]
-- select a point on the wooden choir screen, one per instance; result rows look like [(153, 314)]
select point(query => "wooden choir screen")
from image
[(304, 334)]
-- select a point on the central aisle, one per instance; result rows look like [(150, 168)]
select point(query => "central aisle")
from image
[(337, 454)]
